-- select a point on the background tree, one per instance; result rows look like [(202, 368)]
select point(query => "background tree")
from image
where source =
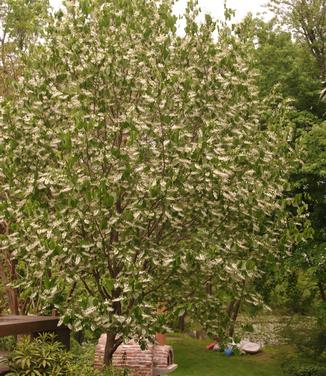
[(313, 180), (307, 18), (21, 23), (300, 79), (286, 64)]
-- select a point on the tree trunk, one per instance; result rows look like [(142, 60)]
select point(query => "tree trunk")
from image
[(209, 288), (322, 291), (110, 347), (79, 337), (182, 323), (11, 292), (230, 308), (6, 275), (234, 317), (234, 309)]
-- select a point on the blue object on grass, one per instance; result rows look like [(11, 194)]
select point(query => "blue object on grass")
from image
[(228, 351)]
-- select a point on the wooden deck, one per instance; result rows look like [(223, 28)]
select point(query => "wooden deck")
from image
[(13, 325)]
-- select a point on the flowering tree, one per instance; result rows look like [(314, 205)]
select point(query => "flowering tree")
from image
[(138, 166), (21, 24)]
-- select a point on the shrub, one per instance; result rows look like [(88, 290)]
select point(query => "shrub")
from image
[(83, 359), (309, 341), (299, 366), (44, 356), (299, 369), (7, 343), (41, 357), (82, 369)]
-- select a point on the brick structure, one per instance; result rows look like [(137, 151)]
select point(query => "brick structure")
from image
[(156, 360)]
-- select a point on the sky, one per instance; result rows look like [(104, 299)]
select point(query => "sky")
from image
[(215, 7)]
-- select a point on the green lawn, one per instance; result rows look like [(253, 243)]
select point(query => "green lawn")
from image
[(194, 360)]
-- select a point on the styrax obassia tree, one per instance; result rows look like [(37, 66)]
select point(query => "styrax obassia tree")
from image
[(135, 161)]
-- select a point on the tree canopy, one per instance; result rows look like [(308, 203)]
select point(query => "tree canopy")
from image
[(137, 165), (307, 18)]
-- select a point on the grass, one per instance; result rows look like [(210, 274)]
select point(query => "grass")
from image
[(194, 360)]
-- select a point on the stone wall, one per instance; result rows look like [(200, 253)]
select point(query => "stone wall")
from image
[(131, 356)]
